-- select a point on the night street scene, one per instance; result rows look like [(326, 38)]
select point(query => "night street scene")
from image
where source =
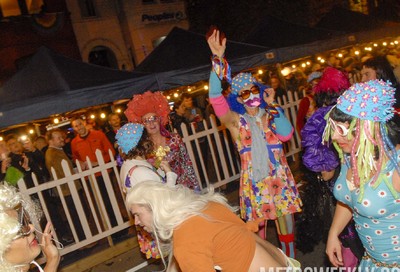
[(199, 135)]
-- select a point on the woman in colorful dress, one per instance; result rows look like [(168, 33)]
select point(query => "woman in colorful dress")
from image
[(258, 127), (152, 110), (323, 168), (363, 129)]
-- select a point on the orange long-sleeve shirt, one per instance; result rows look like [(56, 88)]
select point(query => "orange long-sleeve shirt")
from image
[(220, 238)]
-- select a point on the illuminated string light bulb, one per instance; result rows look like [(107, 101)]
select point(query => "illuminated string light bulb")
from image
[(176, 95), (189, 90), (56, 121), (375, 45), (340, 55), (357, 52), (118, 110), (92, 116), (396, 42), (384, 43), (168, 97), (205, 87), (1, 138), (319, 58), (31, 131), (392, 43), (308, 63), (102, 115), (260, 72), (322, 61), (23, 137), (286, 71), (303, 65), (293, 66)]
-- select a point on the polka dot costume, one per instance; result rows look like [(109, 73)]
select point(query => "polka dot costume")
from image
[(377, 218)]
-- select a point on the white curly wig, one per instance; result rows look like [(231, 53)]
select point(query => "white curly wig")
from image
[(10, 199)]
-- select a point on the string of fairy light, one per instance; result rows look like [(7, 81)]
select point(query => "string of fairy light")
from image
[(173, 95)]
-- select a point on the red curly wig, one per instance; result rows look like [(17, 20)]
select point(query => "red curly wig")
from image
[(147, 102)]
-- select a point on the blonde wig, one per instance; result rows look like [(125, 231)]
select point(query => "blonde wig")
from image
[(11, 199), (171, 206)]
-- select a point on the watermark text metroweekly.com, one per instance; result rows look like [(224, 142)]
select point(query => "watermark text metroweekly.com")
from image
[(330, 269)]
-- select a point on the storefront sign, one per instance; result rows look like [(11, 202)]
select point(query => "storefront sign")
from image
[(165, 16)]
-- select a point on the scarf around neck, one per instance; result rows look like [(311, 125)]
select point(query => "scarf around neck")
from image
[(259, 151)]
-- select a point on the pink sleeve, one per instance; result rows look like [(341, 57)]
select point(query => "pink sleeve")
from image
[(220, 105)]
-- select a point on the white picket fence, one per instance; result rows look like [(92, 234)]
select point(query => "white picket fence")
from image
[(218, 167)]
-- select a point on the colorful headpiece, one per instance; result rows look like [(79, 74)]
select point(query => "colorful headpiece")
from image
[(332, 81), (128, 136), (242, 80), (372, 100), (147, 102)]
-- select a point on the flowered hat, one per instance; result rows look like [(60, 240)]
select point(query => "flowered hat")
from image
[(372, 100), (128, 136), (242, 80), (141, 104)]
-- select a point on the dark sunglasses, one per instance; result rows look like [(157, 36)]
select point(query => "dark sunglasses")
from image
[(24, 222), (246, 93)]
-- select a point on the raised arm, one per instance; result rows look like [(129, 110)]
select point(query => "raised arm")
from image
[(218, 101)]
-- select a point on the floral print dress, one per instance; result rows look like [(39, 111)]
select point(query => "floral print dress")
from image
[(275, 195), (180, 162)]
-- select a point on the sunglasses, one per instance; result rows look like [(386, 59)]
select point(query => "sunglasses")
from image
[(24, 222), (340, 129), (246, 93), (151, 119)]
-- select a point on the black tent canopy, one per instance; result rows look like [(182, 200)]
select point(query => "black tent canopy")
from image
[(186, 49), (51, 83)]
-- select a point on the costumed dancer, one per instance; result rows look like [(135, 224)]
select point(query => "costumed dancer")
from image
[(134, 146), (152, 110), (202, 232), (363, 129), (323, 162), (258, 127)]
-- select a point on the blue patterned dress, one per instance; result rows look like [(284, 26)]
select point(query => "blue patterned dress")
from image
[(377, 218)]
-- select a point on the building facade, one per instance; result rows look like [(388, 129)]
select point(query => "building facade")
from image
[(25, 28), (120, 34)]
